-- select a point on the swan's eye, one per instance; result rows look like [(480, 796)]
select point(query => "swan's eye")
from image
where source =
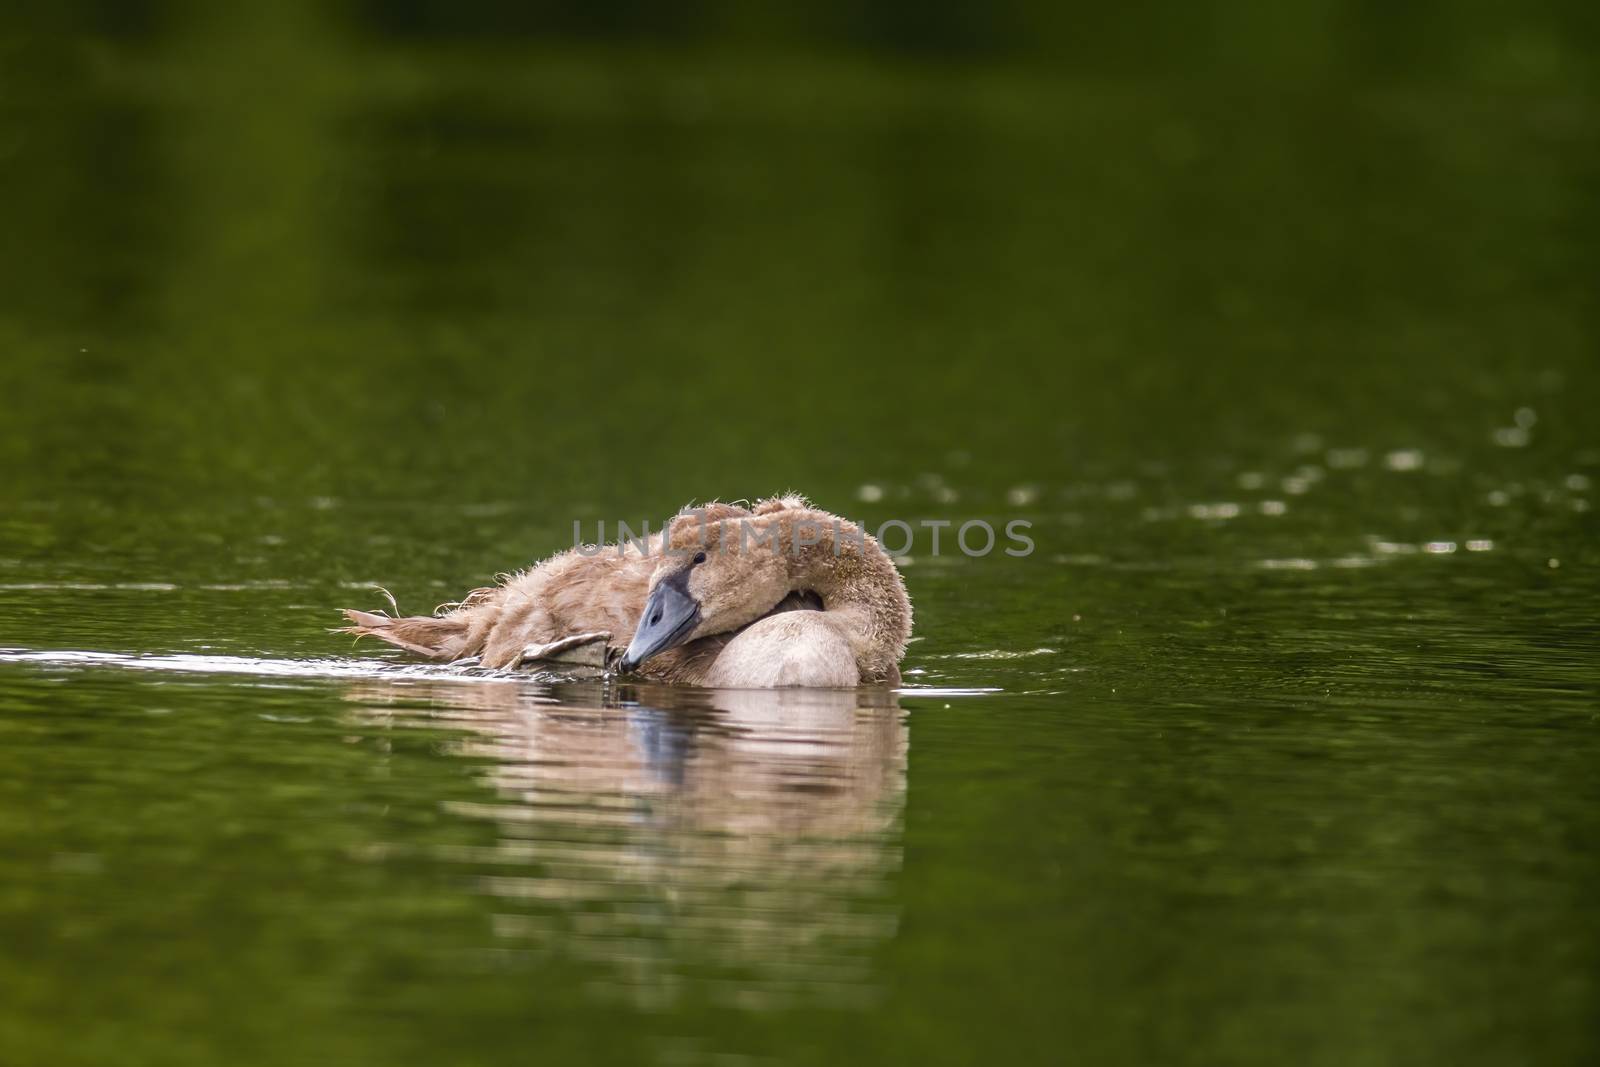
[(699, 557)]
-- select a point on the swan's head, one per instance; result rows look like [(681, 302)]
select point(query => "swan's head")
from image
[(713, 577)]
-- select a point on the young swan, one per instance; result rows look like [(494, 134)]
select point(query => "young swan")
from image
[(831, 620), (719, 579)]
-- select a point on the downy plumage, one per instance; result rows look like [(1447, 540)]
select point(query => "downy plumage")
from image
[(777, 595)]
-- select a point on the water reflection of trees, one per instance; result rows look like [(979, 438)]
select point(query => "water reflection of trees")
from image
[(739, 844)]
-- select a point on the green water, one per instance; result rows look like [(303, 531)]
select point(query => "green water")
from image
[(1280, 747)]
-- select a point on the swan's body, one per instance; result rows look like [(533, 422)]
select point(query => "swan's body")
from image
[(795, 648), (782, 595)]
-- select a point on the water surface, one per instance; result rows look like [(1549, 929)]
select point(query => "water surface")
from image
[(1281, 745)]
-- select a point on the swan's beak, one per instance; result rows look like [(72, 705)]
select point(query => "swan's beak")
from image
[(670, 616)]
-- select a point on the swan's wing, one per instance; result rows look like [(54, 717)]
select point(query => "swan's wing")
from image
[(578, 650)]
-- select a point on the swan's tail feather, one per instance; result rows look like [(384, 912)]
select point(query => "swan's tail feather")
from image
[(438, 638)]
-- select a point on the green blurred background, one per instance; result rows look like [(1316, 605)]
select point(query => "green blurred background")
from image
[(1277, 321), (320, 246)]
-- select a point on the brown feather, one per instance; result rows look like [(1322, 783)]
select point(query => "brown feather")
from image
[(855, 587)]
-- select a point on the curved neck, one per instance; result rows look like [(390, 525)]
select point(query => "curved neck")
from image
[(858, 582)]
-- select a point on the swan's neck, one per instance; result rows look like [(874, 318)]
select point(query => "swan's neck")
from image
[(859, 585)]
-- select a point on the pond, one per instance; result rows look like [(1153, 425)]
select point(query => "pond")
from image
[(1280, 743)]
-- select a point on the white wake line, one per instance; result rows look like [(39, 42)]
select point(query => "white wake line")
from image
[(247, 665), (319, 668), (935, 691)]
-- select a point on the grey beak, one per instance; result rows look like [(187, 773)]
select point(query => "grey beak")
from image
[(670, 616)]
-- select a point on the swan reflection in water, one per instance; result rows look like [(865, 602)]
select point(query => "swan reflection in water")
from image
[(742, 841)]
